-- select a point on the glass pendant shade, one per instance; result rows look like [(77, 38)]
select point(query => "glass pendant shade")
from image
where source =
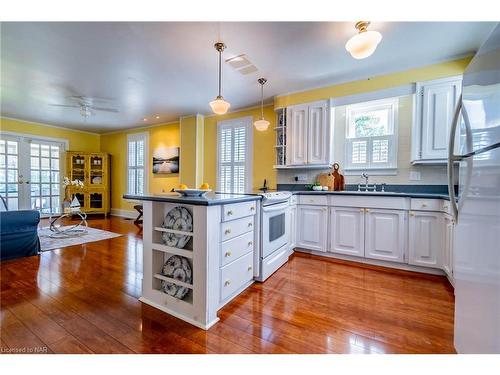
[(219, 106), (261, 125), (364, 43)]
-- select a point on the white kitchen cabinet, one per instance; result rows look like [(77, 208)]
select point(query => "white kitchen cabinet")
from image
[(293, 226), (385, 234), (426, 238), (308, 135), (434, 109), (312, 230), (347, 231), (297, 130), (449, 226)]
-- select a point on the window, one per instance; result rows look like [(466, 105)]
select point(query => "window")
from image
[(371, 135), (234, 156), (136, 163)]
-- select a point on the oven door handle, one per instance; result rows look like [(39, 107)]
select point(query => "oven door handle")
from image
[(275, 207)]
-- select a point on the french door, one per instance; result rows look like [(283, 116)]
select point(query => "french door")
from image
[(30, 173)]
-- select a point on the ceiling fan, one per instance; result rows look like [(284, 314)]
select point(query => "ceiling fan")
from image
[(86, 105)]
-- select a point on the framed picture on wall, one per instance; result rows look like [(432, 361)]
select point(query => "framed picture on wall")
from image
[(166, 160)]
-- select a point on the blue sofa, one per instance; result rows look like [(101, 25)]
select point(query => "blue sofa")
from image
[(18, 234)]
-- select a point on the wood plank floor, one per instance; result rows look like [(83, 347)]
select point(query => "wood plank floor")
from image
[(83, 299)]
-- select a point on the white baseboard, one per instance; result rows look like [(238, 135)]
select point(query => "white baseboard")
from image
[(129, 214)]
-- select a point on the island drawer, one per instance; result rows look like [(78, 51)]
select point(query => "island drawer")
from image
[(235, 275), (236, 210), (235, 228), (236, 247), (419, 204), (314, 200)]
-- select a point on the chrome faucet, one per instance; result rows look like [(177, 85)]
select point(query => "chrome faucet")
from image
[(367, 187), (365, 176)]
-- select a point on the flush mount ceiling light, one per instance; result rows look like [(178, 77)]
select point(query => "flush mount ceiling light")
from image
[(219, 105), (364, 43), (261, 124)]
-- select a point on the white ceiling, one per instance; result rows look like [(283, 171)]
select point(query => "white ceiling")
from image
[(170, 68)]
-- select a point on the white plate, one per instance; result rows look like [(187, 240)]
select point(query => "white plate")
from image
[(192, 192)]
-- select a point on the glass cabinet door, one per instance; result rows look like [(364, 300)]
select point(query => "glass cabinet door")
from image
[(96, 200), (78, 164), (96, 170)]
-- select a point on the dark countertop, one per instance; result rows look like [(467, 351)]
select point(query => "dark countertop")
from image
[(210, 199), (375, 194)]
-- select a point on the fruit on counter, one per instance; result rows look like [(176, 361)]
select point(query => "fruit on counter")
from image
[(204, 186), (183, 187)]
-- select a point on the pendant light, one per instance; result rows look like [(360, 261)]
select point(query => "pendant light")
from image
[(261, 124), (219, 105), (364, 43)]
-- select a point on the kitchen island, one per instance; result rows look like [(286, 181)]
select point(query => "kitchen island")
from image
[(198, 252)]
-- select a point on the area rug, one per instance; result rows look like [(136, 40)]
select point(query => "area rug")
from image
[(92, 235)]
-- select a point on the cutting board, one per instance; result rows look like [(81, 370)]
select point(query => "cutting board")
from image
[(339, 181), (326, 179)]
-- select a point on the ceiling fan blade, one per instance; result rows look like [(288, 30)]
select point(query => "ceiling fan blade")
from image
[(64, 105), (103, 109)]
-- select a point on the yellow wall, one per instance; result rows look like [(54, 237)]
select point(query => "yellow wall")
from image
[(115, 144), (446, 69), (191, 158), (78, 140), (263, 148)]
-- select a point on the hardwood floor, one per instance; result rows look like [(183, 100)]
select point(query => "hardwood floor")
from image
[(83, 299)]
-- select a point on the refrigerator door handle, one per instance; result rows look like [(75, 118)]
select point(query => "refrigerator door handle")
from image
[(452, 158)]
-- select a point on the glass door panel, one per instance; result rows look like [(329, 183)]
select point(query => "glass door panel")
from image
[(96, 200), (45, 181), (96, 170), (78, 168), (9, 173)]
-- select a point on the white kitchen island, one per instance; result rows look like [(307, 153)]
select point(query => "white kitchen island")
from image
[(220, 252)]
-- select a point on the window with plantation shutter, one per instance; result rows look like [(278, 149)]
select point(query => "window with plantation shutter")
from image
[(136, 163), (371, 135), (234, 138)]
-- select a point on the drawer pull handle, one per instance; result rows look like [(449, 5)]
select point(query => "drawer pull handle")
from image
[(229, 213), (228, 254), (228, 282), (412, 213), (250, 243), (361, 210), (227, 231), (252, 208), (424, 204), (250, 224), (249, 268), (367, 210)]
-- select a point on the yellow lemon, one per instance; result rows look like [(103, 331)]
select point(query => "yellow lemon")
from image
[(204, 186), (183, 187)]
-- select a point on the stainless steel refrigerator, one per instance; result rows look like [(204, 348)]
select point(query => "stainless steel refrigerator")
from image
[(476, 250)]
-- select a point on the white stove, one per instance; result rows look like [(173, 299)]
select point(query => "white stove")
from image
[(274, 232)]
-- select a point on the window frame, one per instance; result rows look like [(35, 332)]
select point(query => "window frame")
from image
[(373, 105), (135, 137), (233, 123)]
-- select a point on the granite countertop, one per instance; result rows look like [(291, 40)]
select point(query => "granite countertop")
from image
[(375, 194), (210, 199)]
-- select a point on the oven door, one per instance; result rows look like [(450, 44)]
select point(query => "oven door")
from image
[(274, 227)]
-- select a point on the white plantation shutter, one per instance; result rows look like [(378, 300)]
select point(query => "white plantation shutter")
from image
[(371, 135), (136, 163), (234, 156)]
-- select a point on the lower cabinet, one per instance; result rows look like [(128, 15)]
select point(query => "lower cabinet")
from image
[(426, 238), (448, 245), (385, 234), (347, 231), (312, 227)]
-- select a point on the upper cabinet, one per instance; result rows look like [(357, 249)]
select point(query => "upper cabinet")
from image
[(309, 137), (434, 109)]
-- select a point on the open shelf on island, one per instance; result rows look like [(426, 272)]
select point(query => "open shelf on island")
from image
[(188, 253), (173, 281), (160, 229)]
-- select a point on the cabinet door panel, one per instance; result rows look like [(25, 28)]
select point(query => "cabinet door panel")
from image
[(448, 247), (439, 101), (318, 145), (426, 239), (312, 227), (293, 227), (347, 231), (385, 235), (297, 135)]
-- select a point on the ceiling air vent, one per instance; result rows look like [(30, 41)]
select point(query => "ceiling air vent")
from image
[(242, 64)]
